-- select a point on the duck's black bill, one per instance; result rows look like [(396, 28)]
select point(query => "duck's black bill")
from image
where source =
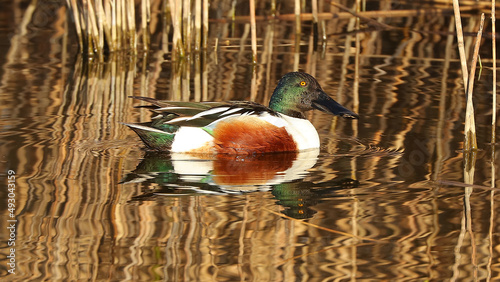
[(326, 104)]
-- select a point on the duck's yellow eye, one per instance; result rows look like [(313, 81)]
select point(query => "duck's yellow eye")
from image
[(303, 83)]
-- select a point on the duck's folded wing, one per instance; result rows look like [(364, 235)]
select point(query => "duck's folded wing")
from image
[(200, 114)]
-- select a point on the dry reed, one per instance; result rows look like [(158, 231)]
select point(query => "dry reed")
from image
[(205, 24), (364, 15), (470, 125), (494, 90), (493, 133), (470, 143), (100, 24), (297, 17), (186, 25), (315, 23), (197, 25), (460, 41), (253, 31), (177, 46), (146, 17), (111, 24)]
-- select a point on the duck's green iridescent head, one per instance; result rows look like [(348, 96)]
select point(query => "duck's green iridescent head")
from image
[(298, 92)]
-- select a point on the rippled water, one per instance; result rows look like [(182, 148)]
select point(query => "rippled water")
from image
[(384, 197)]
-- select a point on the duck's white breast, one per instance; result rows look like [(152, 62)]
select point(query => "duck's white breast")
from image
[(303, 132)]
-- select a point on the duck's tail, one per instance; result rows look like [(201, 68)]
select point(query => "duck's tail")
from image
[(154, 138)]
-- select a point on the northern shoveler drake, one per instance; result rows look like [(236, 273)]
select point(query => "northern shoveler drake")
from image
[(241, 127)]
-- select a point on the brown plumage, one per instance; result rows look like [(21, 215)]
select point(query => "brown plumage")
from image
[(250, 134)]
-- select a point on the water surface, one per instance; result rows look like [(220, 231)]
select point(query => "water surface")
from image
[(384, 197)]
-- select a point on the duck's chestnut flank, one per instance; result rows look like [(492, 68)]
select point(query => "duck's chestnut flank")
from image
[(249, 134)]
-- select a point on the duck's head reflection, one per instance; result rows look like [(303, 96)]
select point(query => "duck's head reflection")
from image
[(184, 174)]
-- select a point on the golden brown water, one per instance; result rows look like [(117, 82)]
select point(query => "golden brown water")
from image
[(384, 198)]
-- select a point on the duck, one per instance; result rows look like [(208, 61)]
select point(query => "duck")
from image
[(240, 127)]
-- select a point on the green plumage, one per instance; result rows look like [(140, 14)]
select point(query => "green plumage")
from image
[(155, 139)]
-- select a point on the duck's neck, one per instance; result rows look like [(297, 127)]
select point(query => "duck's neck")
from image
[(282, 106), (292, 113)]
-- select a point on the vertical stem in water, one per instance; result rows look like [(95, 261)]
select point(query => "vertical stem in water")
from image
[(470, 126), (123, 27), (186, 25), (131, 26), (95, 29), (273, 8), (253, 83), (460, 40), (356, 68), (145, 18), (315, 23), (111, 24), (298, 29), (197, 76), (253, 31), (100, 29), (494, 47), (205, 24), (233, 17), (322, 28), (355, 97), (178, 22), (493, 129), (117, 13), (74, 8), (166, 23), (186, 77), (204, 76), (177, 46), (91, 28), (267, 55), (197, 25)]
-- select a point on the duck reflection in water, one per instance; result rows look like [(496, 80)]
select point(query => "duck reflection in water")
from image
[(178, 174)]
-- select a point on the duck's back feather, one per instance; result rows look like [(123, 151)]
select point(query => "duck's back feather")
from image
[(202, 113)]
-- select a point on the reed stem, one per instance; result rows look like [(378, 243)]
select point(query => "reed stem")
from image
[(493, 137), (470, 126), (460, 40), (145, 18), (298, 29), (108, 14), (123, 24), (119, 25), (253, 31), (100, 20), (365, 15), (131, 31), (186, 25), (494, 54), (205, 25), (93, 30), (315, 23), (176, 11), (197, 25), (74, 9)]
